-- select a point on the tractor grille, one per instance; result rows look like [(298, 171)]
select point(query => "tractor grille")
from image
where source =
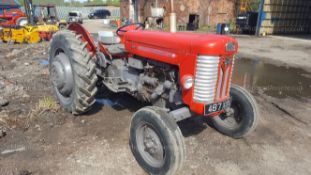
[(212, 79), (225, 78), (206, 79)]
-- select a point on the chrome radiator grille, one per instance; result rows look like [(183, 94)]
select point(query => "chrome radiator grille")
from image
[(206, 78)]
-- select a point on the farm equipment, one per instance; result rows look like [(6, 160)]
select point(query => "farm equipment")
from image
[(11, 15), (20, 35), (41, 23), (44, 18), (14, 26), (179, 75)]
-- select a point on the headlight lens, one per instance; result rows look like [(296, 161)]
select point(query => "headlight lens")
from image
[(187, 82)]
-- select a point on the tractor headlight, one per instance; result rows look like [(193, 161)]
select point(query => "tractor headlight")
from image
[(187, 82)]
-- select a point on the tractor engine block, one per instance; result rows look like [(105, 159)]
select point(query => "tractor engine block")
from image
[(148, 81)]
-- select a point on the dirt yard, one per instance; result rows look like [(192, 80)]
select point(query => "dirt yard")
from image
[(288, 51), (39, 138)]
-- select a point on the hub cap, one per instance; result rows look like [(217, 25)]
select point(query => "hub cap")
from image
[(233, 117), (61, 74), (150, 146)]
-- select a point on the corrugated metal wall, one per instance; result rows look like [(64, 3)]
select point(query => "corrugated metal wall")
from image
[(285, 17), (64, 10)]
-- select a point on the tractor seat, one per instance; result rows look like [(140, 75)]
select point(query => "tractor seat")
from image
[(111, 42)]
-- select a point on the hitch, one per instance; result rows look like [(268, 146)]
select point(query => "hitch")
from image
[(181, 114)]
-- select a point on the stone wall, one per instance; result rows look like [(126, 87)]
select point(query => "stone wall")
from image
[(211, 11)]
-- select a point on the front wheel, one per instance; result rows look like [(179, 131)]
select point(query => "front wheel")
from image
[(242, 118), (156, 141)]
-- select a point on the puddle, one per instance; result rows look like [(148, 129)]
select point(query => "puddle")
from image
[(275, 81), (44, 62), (107, 102)]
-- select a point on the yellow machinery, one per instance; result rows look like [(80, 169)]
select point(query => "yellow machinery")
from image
[(26, 34), (46, 31), (43, 22), (46, 19), (245, 6)]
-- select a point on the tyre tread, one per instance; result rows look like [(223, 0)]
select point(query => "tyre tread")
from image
[(238, 133), (84, 70)]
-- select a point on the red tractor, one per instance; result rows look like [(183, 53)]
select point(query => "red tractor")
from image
[(11, 15), (179, 75)]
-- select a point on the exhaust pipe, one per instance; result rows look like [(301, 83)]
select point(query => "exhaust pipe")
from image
[(173, 19)]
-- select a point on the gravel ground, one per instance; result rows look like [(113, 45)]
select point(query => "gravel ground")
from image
[(42, 141), (292, 52)]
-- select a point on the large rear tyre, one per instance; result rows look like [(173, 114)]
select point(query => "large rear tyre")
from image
[(156, 141), (72, 72), (243, 117)]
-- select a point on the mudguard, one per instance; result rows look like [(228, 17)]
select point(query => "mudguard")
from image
[(80, 30)]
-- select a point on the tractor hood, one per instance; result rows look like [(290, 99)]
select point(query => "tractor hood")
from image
[(182, 42)]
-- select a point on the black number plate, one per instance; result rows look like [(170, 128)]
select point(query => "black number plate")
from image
[(216, 107)]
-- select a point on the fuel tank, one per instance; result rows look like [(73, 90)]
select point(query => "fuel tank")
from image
[(170, 47)]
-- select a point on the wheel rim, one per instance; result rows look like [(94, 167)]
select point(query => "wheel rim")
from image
[(62, 75), (234, 119), (150, 146)]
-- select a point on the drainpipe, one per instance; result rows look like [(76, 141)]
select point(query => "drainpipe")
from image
[(260, 13), (172, 18), (130, 9)]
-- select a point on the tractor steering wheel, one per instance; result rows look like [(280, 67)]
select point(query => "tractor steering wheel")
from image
[(135, 26)]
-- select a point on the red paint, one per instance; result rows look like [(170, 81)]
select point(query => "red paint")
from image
[(47, 36), (11, 16), (86, 37), (180, 49)]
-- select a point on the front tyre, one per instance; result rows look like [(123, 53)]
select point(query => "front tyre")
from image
[(156, 141), (72, 72), (243, 116)]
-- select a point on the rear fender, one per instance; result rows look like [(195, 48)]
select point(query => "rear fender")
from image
[(80, 30)]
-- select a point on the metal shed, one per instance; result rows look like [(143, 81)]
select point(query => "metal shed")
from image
[(284, 17)]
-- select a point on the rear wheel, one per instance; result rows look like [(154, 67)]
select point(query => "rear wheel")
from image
[(72, 72), (156, 141), (243, 116)]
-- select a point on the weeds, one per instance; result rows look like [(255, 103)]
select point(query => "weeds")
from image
[(46, 104)]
